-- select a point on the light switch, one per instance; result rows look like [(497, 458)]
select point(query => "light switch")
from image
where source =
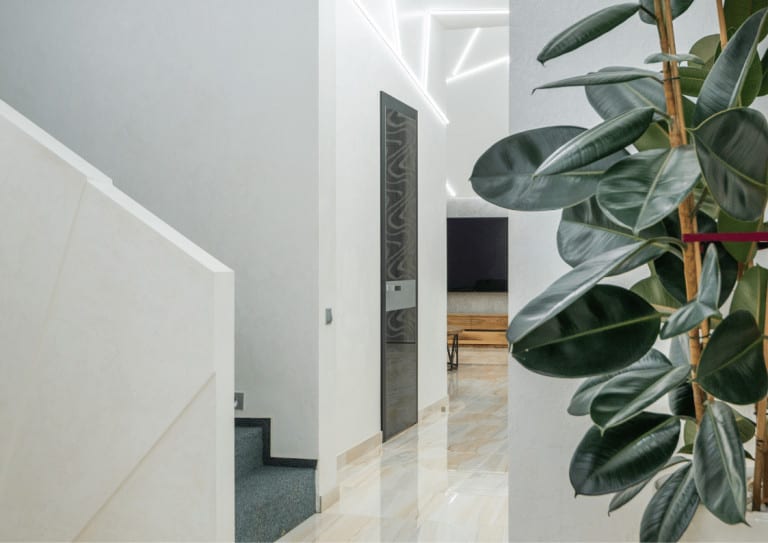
[(328, 315)]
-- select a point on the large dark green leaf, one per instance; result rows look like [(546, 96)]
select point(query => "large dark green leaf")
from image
[(601, 78), (732, 367), (623, 456), (503, 175), (605, 330), (723, 85), (586, 392), (598, 142), (571, 286), (718, 465), (678, 8), (670, 270), (732, 147), (585, 233), (627, 394), (707, 48), (671, 509), (586, 30), (753, 82), (704, 306), (743, 252), (691, 79), (612, 100), (656, 137), (625, 496), (750, 294), (653, 292), (764, 67), (642, 189), (681, 401), (738, 11)]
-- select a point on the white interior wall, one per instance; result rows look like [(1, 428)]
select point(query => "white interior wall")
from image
[(117, 357), (478, 105), (542, 435), (364, 68), (207, 114)]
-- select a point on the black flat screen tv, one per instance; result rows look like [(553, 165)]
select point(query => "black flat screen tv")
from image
[(477, 255)]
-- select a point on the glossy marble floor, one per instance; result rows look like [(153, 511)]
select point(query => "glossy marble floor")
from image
[(444, 479)]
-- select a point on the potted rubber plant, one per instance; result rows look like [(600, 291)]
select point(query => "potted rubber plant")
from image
[(675, 180)]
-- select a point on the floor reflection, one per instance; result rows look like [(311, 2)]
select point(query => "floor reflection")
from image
[(442, 480)]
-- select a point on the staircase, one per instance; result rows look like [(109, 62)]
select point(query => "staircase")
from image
[(270, 500)]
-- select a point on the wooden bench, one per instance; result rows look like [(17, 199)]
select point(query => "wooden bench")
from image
[(480, 329)]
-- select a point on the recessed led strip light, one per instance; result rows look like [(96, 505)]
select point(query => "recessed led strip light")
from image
[(415, 80), (396, 26), (449, 189), (460, 12), (466, 51), (426, 36), (478, 69)]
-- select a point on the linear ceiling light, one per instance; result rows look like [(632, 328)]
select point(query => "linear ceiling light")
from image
[(478, 69), (426, 37), (460, 12), (404, 65), (466, 51), (396, 26)]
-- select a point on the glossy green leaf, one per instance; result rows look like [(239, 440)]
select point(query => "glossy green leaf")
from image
[(743, 252), (732, 147), (750, 294), (582, 398), (623, 456), (705, 203), (718, 465), (707, 48), (745, 426), (642, 189), (753, 82), (680, 57), (601, 78), (678, 7), (732, 367), (503, 175), (586, 30), (723, 85), (764, 68), (571, 286), (656, 137), (653, 292), (598, 142), (681, 401), (585, 233), (625, 496), (670, 511), (603, 331), (627, 394), (612, 100), (738, 11), (692, 79), (620, 499), (704, 306), (670, 270)]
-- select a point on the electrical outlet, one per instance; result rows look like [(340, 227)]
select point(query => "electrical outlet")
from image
[(239, 401)]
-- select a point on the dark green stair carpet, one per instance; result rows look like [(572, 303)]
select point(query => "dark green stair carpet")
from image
[(269, 500)]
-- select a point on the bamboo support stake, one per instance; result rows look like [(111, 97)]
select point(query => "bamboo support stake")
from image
[(721, 23), (678, 137), (759, 488)]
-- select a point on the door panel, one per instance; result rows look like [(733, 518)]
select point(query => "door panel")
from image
[(399, 286)]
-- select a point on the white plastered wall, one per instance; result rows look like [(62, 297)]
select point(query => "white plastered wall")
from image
[(116, 351), (364, 68)]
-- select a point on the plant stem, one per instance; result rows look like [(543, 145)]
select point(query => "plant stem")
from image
[(760, 477), (678, 137), (722, 24)]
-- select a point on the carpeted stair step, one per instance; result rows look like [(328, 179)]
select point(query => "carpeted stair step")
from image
[(273, 500), (269, 500)]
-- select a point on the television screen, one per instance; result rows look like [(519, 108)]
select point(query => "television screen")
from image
[(477, 254)]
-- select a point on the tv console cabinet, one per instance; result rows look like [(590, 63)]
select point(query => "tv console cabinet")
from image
[(480, 329)]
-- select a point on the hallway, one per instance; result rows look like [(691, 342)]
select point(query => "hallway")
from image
[(444, 479)]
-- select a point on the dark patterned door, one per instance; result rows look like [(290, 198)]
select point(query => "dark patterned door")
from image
[(399, 257)]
